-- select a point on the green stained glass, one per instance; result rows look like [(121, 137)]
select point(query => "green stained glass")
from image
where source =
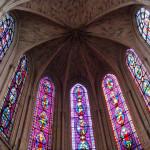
[(139, 74)]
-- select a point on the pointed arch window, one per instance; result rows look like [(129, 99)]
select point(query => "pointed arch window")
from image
[(139, 74), (41, 132), (81, 123), (143, 23), (7, 27), (123, 127), (9, 105)]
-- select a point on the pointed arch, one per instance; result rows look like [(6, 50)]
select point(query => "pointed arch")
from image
[(139, 74), (41, 132), (81, 123), (7, 27), (123, 127), (143, 23), (9, 104)]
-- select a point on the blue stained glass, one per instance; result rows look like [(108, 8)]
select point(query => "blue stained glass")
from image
[(123, 127), (41, 132), (7, 27), (139, 74), (143, 23), (81, 123), (9, 106)]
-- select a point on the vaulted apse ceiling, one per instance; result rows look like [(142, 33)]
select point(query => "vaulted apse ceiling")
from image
[(75, 38)]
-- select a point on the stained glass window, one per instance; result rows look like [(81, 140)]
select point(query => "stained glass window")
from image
[(143, 23), (7, 26), (9, 105), (140, 74), (123, 127), (81, 123), (41, 132)]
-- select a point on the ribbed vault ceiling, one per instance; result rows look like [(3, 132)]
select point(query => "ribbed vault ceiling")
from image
[(75, 38)]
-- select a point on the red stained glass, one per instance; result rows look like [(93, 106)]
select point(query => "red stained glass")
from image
[(81, 123), (123, 128), (41, 132), (9, 106), (7, 27), (139, 74)]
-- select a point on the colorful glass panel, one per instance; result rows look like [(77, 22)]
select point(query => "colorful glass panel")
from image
[(81, 123), (140, 74), (143, 23), (7, 26), (41, 132), (9, 106), (123, 128)]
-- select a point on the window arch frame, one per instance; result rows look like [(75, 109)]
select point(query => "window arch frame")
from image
[(12, 47), (13, 29), (112, 125), (9, 86), (135, 25), (34, 106), (83, 84), (136, 85)]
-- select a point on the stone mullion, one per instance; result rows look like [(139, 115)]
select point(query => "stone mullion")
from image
[(65, 106), (57, 122), (99, 131)]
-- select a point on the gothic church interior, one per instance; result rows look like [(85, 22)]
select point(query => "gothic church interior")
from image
[(74, 75)]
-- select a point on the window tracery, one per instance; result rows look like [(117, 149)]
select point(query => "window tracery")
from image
[(7, 27), (41, 132), (143, 23), (139, 74), (81, 123), (9, 105), (123, 127)]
